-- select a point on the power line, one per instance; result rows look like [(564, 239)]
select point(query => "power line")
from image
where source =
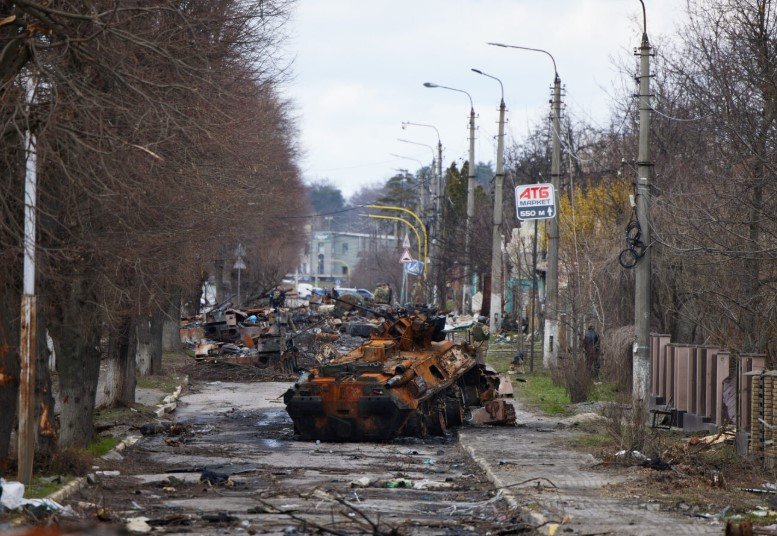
[(690, 119)]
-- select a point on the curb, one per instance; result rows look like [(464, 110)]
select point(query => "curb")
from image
[(509, 497), (507, 494), (68, 489), (75, 485), (170, 402)]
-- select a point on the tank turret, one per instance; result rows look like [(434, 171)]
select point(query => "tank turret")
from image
[(406, 380)]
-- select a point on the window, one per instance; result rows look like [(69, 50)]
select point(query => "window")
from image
[(320, 264), (345, 248), (345, 270), (304, 268), (320, 247)]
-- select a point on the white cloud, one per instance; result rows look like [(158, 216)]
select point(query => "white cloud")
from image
[(360, 65)]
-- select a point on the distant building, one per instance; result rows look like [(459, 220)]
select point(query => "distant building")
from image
[(331, 256)]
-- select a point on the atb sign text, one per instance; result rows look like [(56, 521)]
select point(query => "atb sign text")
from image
[(535, 201)]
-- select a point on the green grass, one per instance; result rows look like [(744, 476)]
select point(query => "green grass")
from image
[(540, 391), (591, 441), (603, 392), (167, 384), (44, 486), (101, 445)]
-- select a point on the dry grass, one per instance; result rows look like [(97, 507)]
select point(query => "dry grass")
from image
[(617, 345), (575, 377)]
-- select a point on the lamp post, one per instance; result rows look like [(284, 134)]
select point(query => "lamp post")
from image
[(435, 210), (28, 326), (465, 295), (438, 185), (422, 190), (495, 308), (550, 345), (425, 192)]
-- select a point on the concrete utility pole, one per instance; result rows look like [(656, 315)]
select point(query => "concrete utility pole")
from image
[(428, 268), (472, 177), (423, 193), (28, 346), (496, 233), (550, 354), (641, 361), (470, 193), (550, 346), (437, 217)]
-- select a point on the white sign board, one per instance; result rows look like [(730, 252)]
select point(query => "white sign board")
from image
[(406, 243), (406, 257), (414, 267), (535, 201)]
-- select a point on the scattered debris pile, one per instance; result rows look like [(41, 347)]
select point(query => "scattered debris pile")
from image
[(406, 380), (258, 336), (283, 339)]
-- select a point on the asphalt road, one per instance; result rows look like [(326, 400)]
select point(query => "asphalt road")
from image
[(281, 485)]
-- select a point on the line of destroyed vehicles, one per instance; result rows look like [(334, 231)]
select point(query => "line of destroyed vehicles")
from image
[(366, 372)]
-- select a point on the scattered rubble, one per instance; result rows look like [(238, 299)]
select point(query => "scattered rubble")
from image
[(406, 380)]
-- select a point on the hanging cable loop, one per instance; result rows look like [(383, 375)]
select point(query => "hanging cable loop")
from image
[(635, 247)]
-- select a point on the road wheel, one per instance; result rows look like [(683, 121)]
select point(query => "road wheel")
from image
[(436, 420)]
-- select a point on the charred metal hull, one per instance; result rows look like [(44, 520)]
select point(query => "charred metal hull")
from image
[(397, 384)]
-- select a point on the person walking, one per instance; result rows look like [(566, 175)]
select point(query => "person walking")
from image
[(592, 350), (479, 335)]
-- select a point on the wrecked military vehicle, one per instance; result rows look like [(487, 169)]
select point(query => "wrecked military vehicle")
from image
[(407, 380)]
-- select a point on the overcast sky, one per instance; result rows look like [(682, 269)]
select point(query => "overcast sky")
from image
[(359, 66)]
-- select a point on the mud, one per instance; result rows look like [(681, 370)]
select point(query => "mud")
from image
[(279, 485)]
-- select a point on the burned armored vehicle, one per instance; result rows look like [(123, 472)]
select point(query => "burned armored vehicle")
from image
[(407, 380)]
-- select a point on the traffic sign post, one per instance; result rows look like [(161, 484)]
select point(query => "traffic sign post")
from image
[(414, 267), (535, 202)]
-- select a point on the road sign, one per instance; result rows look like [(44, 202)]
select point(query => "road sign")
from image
[(239, 264), (535, 201), (414, 267), (406, 257), (406, 243)]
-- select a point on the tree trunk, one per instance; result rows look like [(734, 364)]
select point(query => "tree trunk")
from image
[(121, 380), (155, 341), (751, 287), (143, 354), (76, 332), (78, 365), (47, 430), (171, 325), (9, 371)]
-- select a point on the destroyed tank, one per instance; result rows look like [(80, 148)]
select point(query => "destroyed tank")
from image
[(407, 380)]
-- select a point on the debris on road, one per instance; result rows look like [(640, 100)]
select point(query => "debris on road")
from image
[(213, 478), (407, 380), (494, 412)]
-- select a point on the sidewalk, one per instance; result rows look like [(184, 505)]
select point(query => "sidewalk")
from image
[(535, 449)]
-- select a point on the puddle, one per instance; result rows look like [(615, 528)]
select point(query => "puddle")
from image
[(271, 443), (274, 418)]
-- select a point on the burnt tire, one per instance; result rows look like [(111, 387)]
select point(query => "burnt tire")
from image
[(436, 418)]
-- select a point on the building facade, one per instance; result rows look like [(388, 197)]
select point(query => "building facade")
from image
[(330, 257)]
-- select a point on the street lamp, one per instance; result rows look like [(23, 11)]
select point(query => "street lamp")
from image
[(438, 185), (425, 191), (550, 345), (470, 191), (495, 307), (437, 192)]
